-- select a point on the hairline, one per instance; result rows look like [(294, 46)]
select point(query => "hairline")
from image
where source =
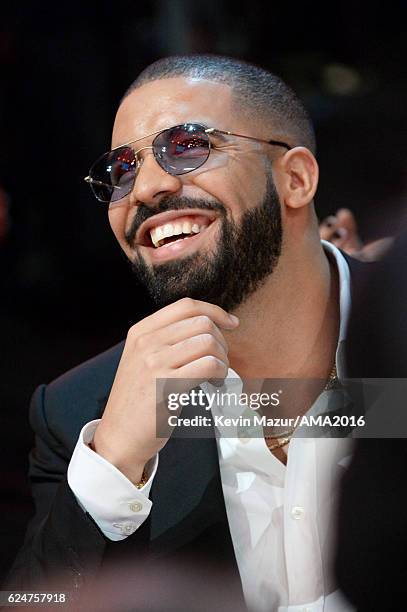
[(236, 96), (256, 93)]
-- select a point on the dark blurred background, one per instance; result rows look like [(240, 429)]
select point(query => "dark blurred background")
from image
[(66, 290)]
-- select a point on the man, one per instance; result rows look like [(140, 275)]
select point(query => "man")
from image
[(212, 202)]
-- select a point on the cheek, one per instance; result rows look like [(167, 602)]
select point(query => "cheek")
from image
[(235, 187), (118, 216)]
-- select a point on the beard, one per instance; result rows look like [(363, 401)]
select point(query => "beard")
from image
[(247, 253)]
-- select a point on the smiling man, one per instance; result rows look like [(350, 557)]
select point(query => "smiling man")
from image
[(209, 186), (229, 197)]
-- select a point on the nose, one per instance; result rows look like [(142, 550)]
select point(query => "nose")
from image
[(152, 183)]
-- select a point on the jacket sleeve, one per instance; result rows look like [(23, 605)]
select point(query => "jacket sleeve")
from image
[(63, 548)]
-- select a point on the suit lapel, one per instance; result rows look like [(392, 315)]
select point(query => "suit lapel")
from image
[(187, 492), (188, 521)]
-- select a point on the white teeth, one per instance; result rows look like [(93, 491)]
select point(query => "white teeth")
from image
[(170, 243), (168, 230), (158, 234)]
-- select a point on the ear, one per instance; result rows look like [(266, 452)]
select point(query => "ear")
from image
[(297, 178)]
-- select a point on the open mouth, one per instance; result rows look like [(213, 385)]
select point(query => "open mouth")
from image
[(163, 230)]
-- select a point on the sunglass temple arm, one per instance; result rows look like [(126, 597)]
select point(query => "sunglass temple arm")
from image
[(88, 179)]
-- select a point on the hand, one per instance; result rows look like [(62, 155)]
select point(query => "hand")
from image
[(181, 341), (341, 229)]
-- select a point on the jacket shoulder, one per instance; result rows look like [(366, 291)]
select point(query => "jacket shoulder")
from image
[(360, 273), (96, 373), (66, 404)]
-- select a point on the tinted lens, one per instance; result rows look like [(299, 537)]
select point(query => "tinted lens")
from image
[(113, 174), (182, 148)]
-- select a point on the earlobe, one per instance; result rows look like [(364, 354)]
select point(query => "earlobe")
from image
[(300, 177)]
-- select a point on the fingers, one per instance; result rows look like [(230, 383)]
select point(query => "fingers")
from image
[(376, 250), (331, 230), (341, 230), (184, 309), (346, 219), (192, 349), (327, 228), (182, 330), (203, 369)]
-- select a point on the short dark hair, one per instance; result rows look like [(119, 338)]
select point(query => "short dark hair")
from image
[(257, 92)]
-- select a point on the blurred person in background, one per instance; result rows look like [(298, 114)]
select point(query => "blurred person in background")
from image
[(372, 533), (210, 186), (342, 230)]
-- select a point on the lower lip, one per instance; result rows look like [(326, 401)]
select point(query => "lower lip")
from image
[(178, 247)]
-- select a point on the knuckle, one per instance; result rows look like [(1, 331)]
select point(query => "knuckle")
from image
[(215, 367), (188, 303), (150, 361), (204, 323), (132, 333), (208, 341), (141, 341)]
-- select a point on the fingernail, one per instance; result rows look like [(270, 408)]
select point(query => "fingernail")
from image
[(234, 319), (342, 232), (217, 382)]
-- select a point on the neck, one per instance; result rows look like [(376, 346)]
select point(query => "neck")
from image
[(289, 327)]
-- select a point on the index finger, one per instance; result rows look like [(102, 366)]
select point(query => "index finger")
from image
[(184, 309)]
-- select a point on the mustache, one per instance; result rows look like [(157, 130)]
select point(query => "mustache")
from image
[(169, 203)]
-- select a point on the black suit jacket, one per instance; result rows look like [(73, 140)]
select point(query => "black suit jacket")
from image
[(187, 530)]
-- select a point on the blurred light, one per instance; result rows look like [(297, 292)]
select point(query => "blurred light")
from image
[(341, 80)]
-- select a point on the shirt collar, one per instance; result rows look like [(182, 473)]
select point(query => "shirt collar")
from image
[(344, 286), (344, 308), (344, 303)]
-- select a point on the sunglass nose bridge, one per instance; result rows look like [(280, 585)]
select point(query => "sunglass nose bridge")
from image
[(139, 159), (136, 153)]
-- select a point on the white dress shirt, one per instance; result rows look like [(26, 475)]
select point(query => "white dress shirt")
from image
[(280, 516)]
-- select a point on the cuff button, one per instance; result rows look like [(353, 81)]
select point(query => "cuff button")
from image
[(136, 506)]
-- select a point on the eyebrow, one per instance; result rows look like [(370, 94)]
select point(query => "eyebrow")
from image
[(219, 136), (204, 124)]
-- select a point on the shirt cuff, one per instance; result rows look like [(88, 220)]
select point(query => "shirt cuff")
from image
[(115, 504)]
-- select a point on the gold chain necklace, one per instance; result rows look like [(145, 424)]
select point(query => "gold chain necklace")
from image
[(333, 376)]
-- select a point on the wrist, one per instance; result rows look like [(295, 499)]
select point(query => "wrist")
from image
[(132, 469)]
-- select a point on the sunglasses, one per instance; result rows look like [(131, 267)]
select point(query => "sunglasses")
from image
[(177, 150)]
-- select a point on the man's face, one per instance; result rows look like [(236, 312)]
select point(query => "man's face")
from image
[(231, 199)]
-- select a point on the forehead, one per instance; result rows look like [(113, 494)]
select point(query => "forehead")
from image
[(167, 102)]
